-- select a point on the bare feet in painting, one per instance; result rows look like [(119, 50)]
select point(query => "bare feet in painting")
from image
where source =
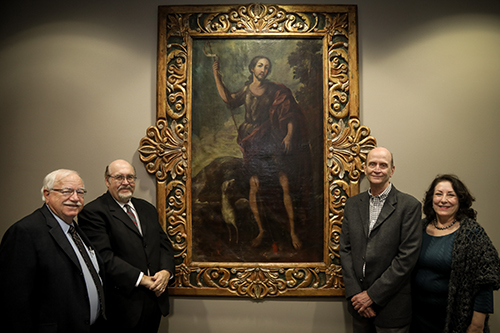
[(256, 242), (297, 244)]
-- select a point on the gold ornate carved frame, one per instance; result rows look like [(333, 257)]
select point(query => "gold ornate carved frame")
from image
[(167, 148)]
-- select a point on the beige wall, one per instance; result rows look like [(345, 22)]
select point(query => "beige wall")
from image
[(77, 90)]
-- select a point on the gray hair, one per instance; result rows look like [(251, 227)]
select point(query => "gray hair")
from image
[(51, 178), (107, 174)]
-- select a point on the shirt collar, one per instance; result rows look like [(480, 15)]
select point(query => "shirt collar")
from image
[(122, 205), (64, 225), (383, 195)]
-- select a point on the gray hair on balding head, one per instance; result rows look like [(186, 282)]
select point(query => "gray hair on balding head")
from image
[(54, 176), (107, 174), (392, 156)]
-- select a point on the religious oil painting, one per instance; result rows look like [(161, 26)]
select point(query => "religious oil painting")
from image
[(257, 190), (257, 145)]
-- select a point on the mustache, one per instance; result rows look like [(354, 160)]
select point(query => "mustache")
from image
[(76, 203), (121, 187)]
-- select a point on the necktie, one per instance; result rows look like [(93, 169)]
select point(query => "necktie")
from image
[(88, 262), (131, 214)]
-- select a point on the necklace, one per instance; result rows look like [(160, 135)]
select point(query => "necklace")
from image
[(443, 228)]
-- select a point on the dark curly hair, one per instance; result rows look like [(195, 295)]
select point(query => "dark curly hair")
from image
[(465, 199)]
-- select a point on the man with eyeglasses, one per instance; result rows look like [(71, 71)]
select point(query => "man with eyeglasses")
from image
[(137, 253), (49, 278)]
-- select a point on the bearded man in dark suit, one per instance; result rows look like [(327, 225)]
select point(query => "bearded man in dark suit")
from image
[(379, 246), (137, 253), (46, 285)]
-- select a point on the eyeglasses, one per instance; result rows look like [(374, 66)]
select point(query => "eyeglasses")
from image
[(67, 191), (121, 178)]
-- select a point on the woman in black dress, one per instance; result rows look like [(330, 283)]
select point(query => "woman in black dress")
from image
[(458, 267)]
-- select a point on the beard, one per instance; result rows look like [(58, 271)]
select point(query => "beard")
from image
[(260, 77), (125, 196)]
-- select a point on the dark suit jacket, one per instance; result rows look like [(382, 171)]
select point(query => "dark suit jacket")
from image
[(390, 253), (126, 253), (42, 288)]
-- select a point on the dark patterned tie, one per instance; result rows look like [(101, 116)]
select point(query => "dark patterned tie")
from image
[(131, 214), (88, 262)]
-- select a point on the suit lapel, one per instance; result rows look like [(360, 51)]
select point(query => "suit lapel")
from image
[(364, 211), (119, 214), (388, 208), (59, 236)]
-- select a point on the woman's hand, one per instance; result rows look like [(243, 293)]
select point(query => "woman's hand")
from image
[(477, 323)]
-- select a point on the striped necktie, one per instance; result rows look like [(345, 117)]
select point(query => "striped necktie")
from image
[(131, 214), (133, 217)]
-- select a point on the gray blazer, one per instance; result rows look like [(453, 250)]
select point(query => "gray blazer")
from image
[(390, 253)]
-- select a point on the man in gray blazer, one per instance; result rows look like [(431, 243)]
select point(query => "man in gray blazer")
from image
[(379, 246)]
